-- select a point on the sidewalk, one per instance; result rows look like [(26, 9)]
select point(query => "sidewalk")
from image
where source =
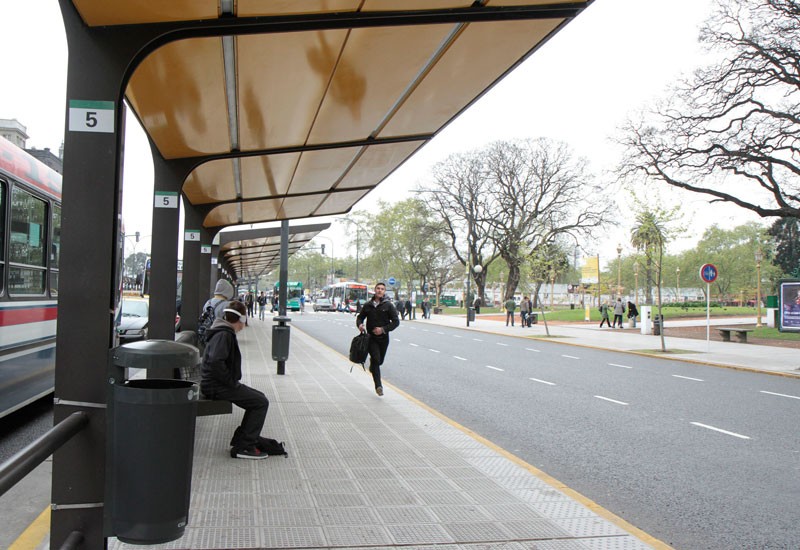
[(769, 359), (369, 471)]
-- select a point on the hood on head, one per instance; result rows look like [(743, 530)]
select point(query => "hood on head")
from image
[(224, 288)]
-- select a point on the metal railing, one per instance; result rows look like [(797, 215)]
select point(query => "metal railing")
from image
[(22, 463)]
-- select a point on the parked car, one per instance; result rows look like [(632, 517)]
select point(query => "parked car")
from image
[(133, 320), (324, 304)]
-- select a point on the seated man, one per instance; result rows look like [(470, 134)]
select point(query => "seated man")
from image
[(221, 373)]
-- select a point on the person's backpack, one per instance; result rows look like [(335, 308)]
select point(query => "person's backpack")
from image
[(359, 349), (205, 321), (272, 447)]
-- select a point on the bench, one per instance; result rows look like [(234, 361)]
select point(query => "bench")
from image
[(741, 333)]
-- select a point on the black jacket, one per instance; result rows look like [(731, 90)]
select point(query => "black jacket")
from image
[(383, 315), (222, 360)]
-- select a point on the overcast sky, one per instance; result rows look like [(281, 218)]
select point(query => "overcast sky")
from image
[(616, 57)]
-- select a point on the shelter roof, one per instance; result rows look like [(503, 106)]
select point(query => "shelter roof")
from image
[(290, 109), (253, 252)]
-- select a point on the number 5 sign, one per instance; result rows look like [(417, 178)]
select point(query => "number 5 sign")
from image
[(91, 116), (166, 199)]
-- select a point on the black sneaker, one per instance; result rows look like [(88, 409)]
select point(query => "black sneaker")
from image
[(379, 391), (253, 453)]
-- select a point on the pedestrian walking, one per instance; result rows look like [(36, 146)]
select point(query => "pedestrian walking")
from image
[(262, 304), (381, 318), (619, 310), (604, 315), (524, 310)]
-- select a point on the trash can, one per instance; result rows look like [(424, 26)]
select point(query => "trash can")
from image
[(471, 313), (151, 443), (280, 342), (658, 322), (534, 318)]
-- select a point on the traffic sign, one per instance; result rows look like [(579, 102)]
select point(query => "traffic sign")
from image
[(708, 273), (392, 281)]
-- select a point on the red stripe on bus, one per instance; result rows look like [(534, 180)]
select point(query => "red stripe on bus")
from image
[(21, 316)]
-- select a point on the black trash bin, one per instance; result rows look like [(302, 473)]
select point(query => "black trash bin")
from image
[(471, 313), (280, 342), (658, 322), (151, 444)]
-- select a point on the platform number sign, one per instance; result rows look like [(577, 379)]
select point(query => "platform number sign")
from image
[(166, 199), (191, 235), (91, 116), (708, 273)]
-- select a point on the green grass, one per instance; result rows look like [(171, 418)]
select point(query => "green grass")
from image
[(774, 334)]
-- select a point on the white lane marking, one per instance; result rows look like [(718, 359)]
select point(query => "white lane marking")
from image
[(397, 340), (531, 349), (442, 333), (780, 394), (688, 378), (542, 381), (415, 345), (434, 350), (494, 368), (570, 357), (457, 336), (620, 366), (726, 432), (477, 340), (460, 358), (611, 400), (501, 344)]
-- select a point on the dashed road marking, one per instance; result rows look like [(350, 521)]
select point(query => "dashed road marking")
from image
[(780, 394), (460, 358), (726, 432), (501, 344), (477, 340), (610, 400), (494, 368), (434, 350), (415, 345), (620, 366), (542, 381), (531, 349), (570, 357), (688, 378)]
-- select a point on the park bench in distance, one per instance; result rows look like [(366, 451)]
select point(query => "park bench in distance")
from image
[(741, 333)]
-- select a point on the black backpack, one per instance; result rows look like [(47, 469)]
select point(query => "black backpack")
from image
[(272, 447), (205, 321), (359, 349)]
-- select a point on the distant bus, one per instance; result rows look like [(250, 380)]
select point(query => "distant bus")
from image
[(294, 289), (348, 292), (449, 299)]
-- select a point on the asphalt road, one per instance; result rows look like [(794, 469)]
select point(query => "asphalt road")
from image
[(699, 457)]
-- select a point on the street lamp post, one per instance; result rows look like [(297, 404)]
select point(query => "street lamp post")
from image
[(678, 277), (358, 236), (477, 269), (619, 268), (636, 280), (759, 257)]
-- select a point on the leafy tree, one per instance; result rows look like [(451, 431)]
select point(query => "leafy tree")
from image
[(649, 235), (731, 132), (786, 234), (135, 264)]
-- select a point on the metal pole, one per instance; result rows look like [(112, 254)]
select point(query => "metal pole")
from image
[(466, 297), (283, 279), (708, 317), (758, 284), (358, 233)]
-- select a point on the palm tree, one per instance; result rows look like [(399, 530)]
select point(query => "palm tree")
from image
[(649, 236)]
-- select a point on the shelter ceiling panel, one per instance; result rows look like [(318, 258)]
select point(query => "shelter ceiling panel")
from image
[(224, 215), (177, 91), (210, 182), (282, 79), (339, 203), (408, 5), (104, 12), (267, 175), (377, 162), (319, 171), (374, 72), (251, 8), (480, 55)]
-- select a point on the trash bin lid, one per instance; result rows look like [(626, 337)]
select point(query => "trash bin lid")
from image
[(155, 354)]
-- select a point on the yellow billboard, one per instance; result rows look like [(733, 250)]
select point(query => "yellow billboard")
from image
[(590, 270)]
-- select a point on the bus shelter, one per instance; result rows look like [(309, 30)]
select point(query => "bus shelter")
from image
[(256, 112)]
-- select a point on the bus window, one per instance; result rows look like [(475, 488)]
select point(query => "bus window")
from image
[(2, 232), (55, 250), (26, 251)]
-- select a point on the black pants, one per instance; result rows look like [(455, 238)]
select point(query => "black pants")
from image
[(510, 315), (618, 319), (606, 321), (377, 353), (255, 405)]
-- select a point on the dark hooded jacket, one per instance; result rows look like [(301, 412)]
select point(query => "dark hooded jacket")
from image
[(222, 360), (383, 315)]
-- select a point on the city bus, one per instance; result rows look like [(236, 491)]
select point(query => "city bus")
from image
[(294, 289), (30, 249), (347, 294), (449, 298)]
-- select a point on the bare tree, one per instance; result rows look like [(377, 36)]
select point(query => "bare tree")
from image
[(736, 121), (461, 198), (540, 193)]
